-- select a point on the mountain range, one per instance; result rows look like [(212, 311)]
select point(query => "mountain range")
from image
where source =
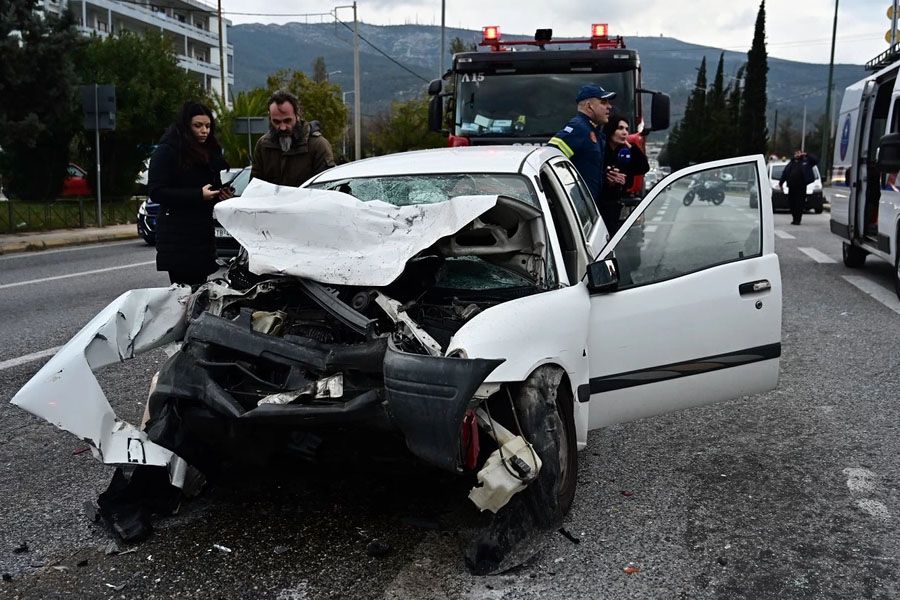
[(668, 64)]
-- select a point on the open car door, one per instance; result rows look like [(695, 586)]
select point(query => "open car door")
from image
[(696, 318)]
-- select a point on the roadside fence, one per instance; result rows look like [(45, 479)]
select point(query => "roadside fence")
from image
[(18, 217)]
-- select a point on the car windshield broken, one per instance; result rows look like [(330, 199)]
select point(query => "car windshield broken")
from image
[(405, 190)]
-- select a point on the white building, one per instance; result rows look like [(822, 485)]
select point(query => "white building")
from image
[(191, 25)]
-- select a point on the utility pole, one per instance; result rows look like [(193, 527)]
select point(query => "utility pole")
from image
[(826, 131), (443, 48), (356, 117), (222, 56), (803, 131), (357, 136)]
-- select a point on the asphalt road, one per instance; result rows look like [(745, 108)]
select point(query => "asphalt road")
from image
[(790, 494)]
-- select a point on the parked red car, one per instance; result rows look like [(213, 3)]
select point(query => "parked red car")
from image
[(76, 183)]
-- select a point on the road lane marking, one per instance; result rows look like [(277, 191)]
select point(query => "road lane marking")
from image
[(657, 219), (82, 273), (875, 290), (650, 228), (75, 249), (784, 235), (27, 358), (819, 257)]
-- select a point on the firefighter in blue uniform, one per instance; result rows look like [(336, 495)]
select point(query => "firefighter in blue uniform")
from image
[(582, 139)]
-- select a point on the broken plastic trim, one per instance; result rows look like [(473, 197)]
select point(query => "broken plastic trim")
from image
[(427, 397), (342, 312)]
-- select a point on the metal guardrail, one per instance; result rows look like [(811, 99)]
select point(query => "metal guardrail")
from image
[(20, 217)]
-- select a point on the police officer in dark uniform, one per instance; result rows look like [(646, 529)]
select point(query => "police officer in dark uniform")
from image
[(798, 174), (582, 139)]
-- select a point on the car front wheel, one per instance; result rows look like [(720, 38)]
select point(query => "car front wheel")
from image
[(546, 415)]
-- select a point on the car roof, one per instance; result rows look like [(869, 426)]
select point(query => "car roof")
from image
[(477, 159)]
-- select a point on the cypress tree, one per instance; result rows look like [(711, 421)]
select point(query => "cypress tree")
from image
[(719, 133), (753, 133), (686, 139)]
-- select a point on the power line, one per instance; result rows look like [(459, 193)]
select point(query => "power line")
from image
[(383, 53)]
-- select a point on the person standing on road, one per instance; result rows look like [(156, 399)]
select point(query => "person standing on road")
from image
[(625, 161), (185, 180), (292, 151), (798, 174), (582, 139)]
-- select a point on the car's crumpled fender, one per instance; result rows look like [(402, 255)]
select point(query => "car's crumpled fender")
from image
[(546, 328), (66, 393)]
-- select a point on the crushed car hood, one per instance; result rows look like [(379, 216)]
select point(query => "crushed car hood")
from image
[(332, 237)]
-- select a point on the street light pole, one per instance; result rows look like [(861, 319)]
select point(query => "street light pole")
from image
[(222, 56), (826, 130)]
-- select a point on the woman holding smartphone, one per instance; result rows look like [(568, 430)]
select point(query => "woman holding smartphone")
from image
[(184, 179)]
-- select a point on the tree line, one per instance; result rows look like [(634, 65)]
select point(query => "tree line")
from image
[(724, 120)]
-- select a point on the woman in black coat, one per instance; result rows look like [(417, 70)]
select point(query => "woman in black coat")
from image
[(624, 161), (184, 179)]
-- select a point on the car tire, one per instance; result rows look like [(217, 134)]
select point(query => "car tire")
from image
[(854, 256), (546, 413)]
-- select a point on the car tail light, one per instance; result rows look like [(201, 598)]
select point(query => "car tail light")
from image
[(457, 141)]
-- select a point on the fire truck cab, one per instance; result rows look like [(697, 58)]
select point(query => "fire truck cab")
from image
[(522, 92)]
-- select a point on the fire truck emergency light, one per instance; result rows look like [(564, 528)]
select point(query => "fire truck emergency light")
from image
[(490, 34), (599, 30)]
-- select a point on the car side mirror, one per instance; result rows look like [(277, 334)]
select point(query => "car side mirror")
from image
[(888, 156), (434, 88), (603, 276), (435, 111)]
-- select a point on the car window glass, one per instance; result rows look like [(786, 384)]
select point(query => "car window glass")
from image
[(406, 190), (581, 198), (708, 218), (240, 181)]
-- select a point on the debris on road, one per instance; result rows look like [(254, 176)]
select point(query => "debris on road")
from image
[(631, 569), (378, 549), (569, 536), (116, 588), (7, 577), (21, 548), (222, 548), (280, 549), (627, 493), (81, 450)]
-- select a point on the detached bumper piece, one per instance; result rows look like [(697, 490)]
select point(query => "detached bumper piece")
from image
[(427, 397)]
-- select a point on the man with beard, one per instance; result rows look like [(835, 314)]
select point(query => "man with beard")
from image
[(291, 152)]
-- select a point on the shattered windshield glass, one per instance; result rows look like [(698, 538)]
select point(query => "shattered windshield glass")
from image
[(474, 273), (407, 190)]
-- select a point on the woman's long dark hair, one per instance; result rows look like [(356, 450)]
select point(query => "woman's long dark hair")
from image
[(194, 153)]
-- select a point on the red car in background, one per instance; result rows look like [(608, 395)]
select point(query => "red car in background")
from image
[(75, 184)]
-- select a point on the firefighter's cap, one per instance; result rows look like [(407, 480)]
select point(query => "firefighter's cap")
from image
[(593, 91)]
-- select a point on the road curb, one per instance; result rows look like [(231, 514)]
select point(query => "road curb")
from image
[(37, 244)]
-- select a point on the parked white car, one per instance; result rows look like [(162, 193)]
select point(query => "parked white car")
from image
[(463, 299), (814, 197)]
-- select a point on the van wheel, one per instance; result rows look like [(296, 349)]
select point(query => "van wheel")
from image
[(819, 210), (546, 414), (854, 256), (897, 275)]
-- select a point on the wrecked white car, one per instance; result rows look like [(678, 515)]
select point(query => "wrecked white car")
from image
[(466, 301)]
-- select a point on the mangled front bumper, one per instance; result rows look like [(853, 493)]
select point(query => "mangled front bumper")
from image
[(66, 393), (422, 397)]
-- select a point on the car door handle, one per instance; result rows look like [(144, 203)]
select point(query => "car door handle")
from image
[(754, 287)]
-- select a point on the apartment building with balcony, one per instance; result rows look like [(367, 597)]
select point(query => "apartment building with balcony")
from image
[(192, 27)]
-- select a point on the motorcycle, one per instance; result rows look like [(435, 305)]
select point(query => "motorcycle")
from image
[(710, 190)]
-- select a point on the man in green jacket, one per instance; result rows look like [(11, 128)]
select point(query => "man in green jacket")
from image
[(291, 152)]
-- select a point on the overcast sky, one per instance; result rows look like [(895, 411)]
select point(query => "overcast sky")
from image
[(796, 29)]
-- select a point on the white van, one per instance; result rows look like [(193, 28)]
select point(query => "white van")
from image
[(867, 215)]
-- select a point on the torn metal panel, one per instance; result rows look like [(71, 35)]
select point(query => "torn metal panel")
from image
[(333, 238), (66, 393), (427, 397)]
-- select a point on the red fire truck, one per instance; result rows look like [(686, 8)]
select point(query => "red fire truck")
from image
[(522, 92)]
